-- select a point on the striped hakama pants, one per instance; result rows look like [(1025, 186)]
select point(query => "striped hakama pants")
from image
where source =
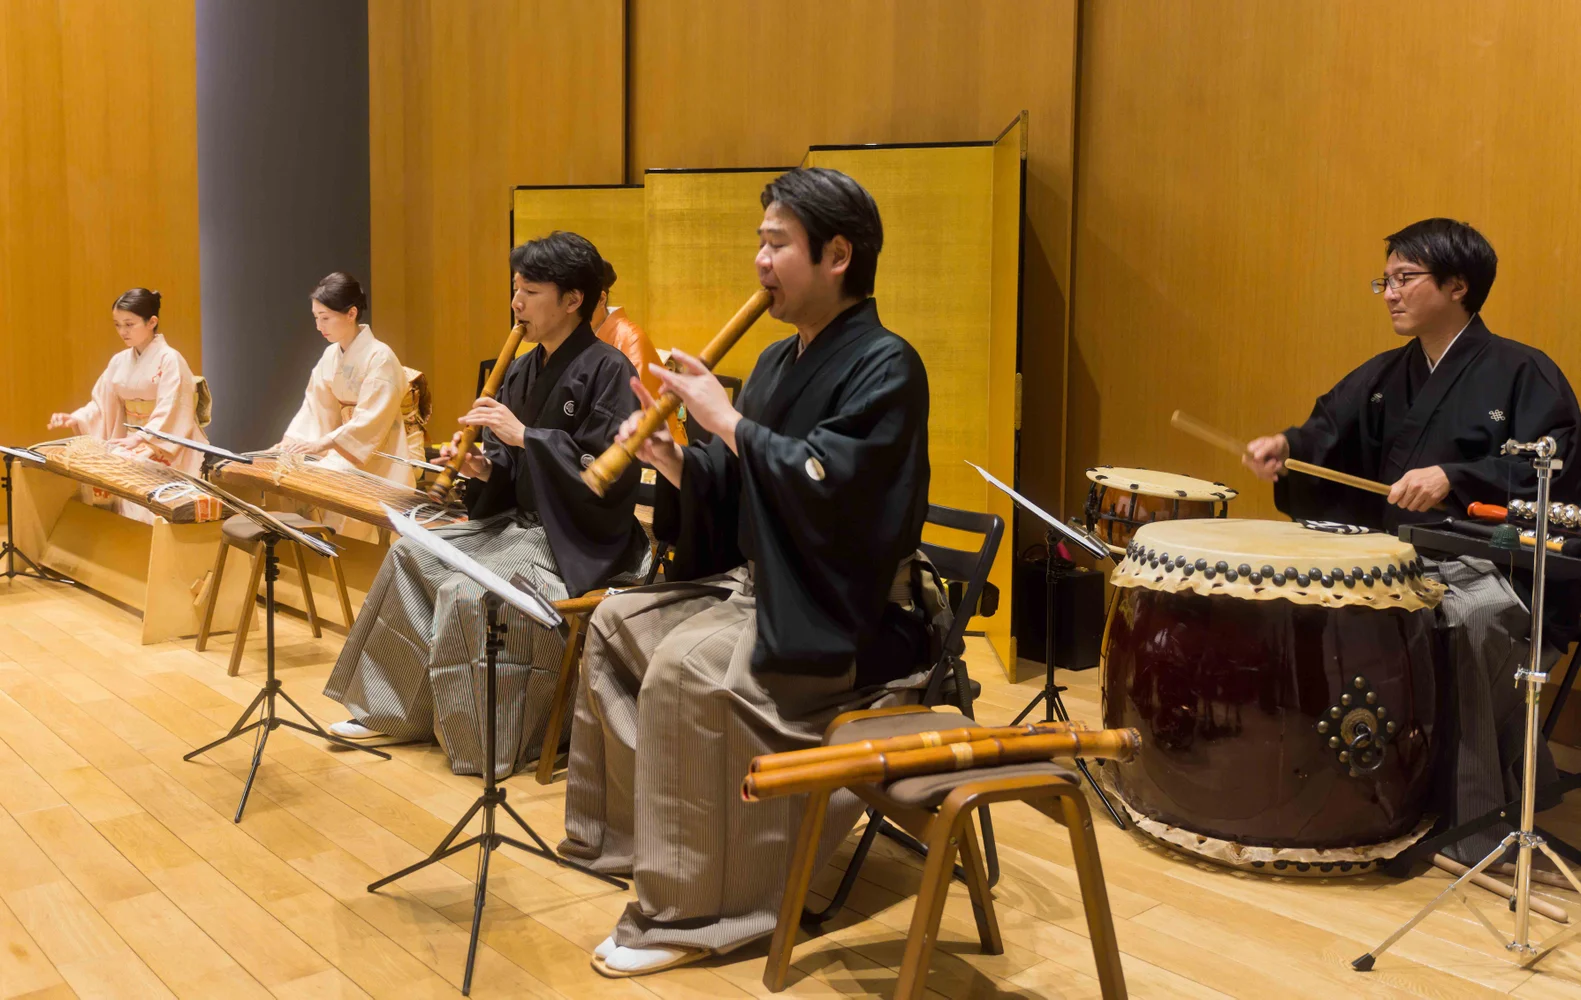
[(1488, 641), (668, 716), (413, 664)]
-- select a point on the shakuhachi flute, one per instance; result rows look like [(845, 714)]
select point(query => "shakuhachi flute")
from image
[(1112, 744), (608, 467), (469, 436), (910, 741)]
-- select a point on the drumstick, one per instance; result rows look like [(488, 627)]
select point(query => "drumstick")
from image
[(1345, 478), (1197, 429)]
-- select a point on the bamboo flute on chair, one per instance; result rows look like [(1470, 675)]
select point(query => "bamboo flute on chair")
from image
[(1111, 744)]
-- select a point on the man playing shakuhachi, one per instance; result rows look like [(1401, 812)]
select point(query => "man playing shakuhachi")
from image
[(413, 664), (351, 409), (147, 385), (795, 529), (1429, 419)]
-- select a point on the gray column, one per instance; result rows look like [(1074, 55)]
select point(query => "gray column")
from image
[(282, 195)]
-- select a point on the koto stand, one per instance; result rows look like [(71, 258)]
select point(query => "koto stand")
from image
[(1054, 705), (1524, 839), (268, 721), (9, 549), (496, 592)]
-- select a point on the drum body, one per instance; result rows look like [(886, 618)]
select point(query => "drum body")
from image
[(1295, 725), (1121, 500)]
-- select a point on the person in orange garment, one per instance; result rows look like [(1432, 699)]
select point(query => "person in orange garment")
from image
[(615, 328)]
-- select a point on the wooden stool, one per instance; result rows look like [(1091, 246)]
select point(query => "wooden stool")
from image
[(937, 809), (240, 532)]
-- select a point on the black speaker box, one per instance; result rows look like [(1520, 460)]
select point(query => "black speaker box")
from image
[(1078, 611)]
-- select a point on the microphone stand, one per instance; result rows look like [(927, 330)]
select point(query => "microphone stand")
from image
[(1525, 839)]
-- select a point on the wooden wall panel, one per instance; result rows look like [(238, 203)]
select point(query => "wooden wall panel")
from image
[(98, 191), (1241, 162), (612, 218), (726, 83), (467, 101)]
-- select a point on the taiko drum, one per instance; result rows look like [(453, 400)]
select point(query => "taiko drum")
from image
[(1283, 680)]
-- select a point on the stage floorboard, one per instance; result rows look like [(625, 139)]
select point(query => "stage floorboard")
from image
[(121, 873)]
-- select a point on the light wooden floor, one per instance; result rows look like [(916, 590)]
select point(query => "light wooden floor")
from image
[(122, 875)]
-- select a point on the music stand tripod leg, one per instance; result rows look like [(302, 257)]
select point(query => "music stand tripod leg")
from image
[(489, 838), (33, 570), (268, 720), (1054, 705)]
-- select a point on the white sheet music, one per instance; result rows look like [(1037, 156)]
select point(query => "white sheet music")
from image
[(198, 446), (1097, 548), (529, 603), (23, 454)]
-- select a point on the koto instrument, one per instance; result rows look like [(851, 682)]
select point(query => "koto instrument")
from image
[(350, 492), (871, 768), (160, 489), (609, 466), (1121, 500), (913, 741), (469, 435), (1284, 680)]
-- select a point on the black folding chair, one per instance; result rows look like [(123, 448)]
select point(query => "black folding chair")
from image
[(966, 573), (694, 431)]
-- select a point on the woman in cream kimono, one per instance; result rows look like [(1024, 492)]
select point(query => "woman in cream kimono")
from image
[(146, 385), (352, 407)]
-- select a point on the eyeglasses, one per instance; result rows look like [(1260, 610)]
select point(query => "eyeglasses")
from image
[(1395, 281)]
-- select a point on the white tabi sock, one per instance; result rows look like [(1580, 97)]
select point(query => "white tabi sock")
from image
[(639, 959), (604, 948)]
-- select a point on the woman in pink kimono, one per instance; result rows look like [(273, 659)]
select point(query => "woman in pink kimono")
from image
[(352, 408), (146, 385)]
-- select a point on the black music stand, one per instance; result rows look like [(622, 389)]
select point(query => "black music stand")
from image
[(519, 594), (9, 550), (1054, 705), (275, 531)]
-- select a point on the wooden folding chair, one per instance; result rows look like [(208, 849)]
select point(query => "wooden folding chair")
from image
[(578, 611), (948, 682), (239, 532), (937, 809)]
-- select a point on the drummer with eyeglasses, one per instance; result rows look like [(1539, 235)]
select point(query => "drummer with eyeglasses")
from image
[(1429, 418)]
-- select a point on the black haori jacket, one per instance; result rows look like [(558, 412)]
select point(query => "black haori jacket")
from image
[(827, 496), (1393, 415), (572, 406)]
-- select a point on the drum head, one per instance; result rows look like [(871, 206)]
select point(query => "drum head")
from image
[(1276, 560), (1153, 483)]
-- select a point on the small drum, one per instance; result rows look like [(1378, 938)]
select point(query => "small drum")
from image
[(1283, 681), (1121, 500)]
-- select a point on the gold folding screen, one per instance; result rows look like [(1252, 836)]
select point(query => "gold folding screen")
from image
[(948, 281), (608, 215)]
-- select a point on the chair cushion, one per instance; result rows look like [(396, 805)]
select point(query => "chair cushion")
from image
[(881, 727), (239, 529), (929, 790)]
